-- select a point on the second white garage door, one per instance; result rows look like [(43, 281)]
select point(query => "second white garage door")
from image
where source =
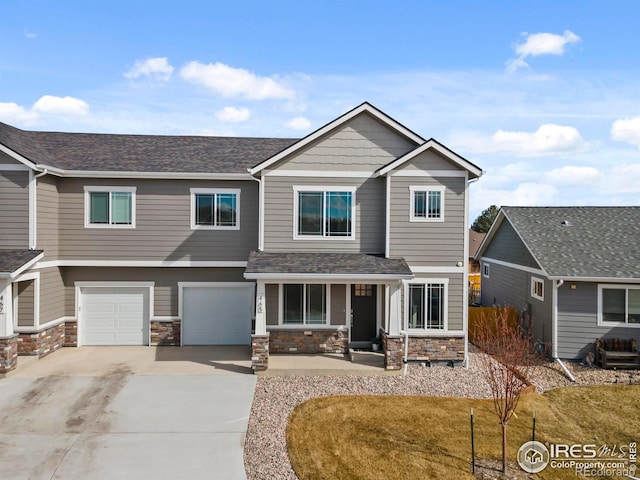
[(217, 315)]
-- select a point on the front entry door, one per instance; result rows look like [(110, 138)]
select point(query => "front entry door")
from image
[(363, 307)]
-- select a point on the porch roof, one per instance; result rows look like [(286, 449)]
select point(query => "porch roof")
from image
[(13, 262), (320, 265)]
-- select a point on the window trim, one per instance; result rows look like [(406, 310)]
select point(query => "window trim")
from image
[(88, 189), (297, 189), (614, 286), (425, 188), (304, 324), (533, 292), (486, 270), (213, 191), (445, 304)]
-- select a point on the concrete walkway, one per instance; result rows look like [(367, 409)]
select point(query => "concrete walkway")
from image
[(108, 413)]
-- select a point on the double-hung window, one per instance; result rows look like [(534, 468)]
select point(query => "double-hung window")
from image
[(426, 204), (427, 305), (324, 212), (110, 207), (215, 209), (619, 304), (304, 304)]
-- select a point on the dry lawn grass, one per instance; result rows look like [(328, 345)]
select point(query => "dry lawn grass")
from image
[(394, 437)]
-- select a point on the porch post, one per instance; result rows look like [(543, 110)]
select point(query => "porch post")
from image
[(260, 338), (8, 339), (261, 309), (395, 314)]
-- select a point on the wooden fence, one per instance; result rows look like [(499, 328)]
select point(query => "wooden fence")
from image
[(479, 315)]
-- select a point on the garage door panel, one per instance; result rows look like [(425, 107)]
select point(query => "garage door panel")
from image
[(217, 315)]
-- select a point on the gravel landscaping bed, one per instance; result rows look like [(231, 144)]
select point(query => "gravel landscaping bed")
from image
[(265, 452)]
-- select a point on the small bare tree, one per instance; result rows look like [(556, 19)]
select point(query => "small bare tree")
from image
[(505, 364)]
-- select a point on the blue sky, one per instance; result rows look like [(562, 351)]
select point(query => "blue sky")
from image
[(543, 95)]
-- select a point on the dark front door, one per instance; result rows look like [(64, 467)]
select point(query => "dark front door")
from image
[(363, 306)]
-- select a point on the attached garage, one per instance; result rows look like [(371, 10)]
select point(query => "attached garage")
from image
[(114, 315), (216, 313)]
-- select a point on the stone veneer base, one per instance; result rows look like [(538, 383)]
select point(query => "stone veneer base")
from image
[(41, 343), (422, 349), (308, 341), (8, 353), (165, 333), (259, 352)]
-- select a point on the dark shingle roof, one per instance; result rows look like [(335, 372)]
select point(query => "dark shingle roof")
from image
[(326, 264), (583, 242), (12, 260), (141, 153)]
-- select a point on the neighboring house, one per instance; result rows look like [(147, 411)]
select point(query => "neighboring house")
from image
[(311, 245), (475, 278), (573, 271)]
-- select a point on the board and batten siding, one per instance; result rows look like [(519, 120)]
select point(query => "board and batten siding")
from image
[(362, 144), (47, 216), (279, 215), (14, 209), (507, 246), (427, 243), (578, 321), (165, 282), (163, 229)]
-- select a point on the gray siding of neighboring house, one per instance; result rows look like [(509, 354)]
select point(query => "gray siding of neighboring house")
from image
[(47, 217), (338, 304), (14, 209), (26, 295), (52, 295), (165, 280), (578, 321), (428, 243), (279, 215), (162, 230), (362, 144), (507, 246)]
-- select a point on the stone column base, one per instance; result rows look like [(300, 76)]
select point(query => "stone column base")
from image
[(8, 353), (259, 352), (393, 347)]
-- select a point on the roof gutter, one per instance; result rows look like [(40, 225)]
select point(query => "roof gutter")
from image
[(325, 276), (144, 175)]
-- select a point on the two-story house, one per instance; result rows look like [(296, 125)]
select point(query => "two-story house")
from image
[(313, 245)]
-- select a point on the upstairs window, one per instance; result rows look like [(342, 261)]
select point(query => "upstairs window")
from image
[(110, 207), (215, 209), (324, 213), (427, 204), (537, 288)]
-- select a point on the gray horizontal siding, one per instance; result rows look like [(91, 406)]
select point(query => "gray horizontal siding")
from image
[(165, 279), (47, 216), (507, 246), (6, 159), (429, 160), (505, 287), (369, 221), (339, 304), (578, 322), (363, 143), (272, 303), (26, 296), (428, 243), (14, 209), (456, 298), (52, 295), (162, 229)]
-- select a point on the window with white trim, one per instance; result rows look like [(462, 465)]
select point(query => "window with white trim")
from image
[(324, 212), (427, 204), (215, 208), (486, 270), (427, 306), (304, 304), (537, 288), (109, 207), (619, 304)]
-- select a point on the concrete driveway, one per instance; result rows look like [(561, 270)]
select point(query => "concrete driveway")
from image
[(110, 413)]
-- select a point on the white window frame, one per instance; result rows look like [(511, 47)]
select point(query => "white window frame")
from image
[(534, 291), (486, 270), (214, 191), (445, 304), (426, 189), (88, 189), (304, 323), (324, 189), (612, 286)]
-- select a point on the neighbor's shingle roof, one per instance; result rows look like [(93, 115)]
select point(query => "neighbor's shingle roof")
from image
[(141, 153), (12, 260), (326, 264), (593, 242)]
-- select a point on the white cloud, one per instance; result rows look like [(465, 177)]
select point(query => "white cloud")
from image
[(50, 104), (298, 123), (624, 179), (14, 113), (525, 194), (235, 82), (30, 35), (536, 44), (570, 175), (627, 130), (233, 114), (157, 68)]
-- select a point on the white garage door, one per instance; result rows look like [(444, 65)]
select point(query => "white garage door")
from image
[(114, 315), (219, 315)]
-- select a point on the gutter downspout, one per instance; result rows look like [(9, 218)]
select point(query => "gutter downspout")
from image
[(42, 174), (554, 353)]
